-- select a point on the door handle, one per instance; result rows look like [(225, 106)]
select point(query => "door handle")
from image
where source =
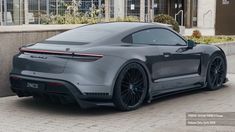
[(166, 54)]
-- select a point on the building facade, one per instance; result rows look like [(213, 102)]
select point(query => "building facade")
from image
[(206, 14), (17, 12), (184, 11), (225, 17)]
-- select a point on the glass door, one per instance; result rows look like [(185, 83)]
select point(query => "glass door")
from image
[(6, 12)]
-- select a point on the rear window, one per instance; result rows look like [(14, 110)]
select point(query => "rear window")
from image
[(81, 35)]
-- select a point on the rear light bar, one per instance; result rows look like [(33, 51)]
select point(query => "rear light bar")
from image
[(87, 54), (59, 52), (44, 51)]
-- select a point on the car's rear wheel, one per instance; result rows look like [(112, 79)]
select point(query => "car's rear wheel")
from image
[(216, 72), (131, 87)]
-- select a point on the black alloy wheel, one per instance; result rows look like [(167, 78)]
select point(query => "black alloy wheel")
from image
[(216, 72), (131, 87)]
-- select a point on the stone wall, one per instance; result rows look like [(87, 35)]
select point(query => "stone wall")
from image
[(11, 38)]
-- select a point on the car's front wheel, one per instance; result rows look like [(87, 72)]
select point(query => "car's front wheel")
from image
[(216, 72), (131, 87)]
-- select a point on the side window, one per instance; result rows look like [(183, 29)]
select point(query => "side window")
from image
[(157, 36)]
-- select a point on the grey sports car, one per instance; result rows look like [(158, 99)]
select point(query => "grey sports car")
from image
[(120, 63)]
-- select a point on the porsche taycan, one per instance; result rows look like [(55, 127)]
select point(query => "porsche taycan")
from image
[(121, 63)]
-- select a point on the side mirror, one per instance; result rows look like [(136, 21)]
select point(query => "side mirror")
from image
[(191, 44)]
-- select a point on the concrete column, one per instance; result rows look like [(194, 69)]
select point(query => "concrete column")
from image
[(148, 11), (142, 10), (18, 9), (119, 8), (107, 10), (152, 11), (26, 12), (100, 15), (188, 14)]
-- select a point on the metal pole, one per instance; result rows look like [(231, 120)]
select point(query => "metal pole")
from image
[(19, 12), (48, 6), (26, 11), (1, 12), (57, 12), (182, 16), (126, 8), (39, 12), (100, 10), (5, 12)]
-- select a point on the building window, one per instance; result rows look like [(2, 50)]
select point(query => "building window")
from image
[(133, 8), (161, 7)]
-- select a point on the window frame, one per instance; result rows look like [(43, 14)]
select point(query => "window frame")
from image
[(130, 36)]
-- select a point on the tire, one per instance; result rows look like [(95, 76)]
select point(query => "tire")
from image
[(216, 72), (130, 88)]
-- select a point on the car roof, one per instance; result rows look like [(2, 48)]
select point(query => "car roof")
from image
[(117, 27), (102, 32)]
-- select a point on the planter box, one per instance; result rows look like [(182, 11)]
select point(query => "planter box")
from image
[(182, 30), (228, 47)]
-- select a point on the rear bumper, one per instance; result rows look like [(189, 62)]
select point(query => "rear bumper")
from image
[(62, 90)]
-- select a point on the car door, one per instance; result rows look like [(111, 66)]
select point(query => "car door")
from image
[(174, 65)]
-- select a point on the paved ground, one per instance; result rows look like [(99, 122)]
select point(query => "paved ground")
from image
[(166, 114)]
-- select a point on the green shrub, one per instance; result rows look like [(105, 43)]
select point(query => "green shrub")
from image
[(196, 34), (166, 19), (212, 39), (70, 19), (131, 19)]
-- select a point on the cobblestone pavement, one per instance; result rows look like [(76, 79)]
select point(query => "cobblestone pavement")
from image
[(163, 115)]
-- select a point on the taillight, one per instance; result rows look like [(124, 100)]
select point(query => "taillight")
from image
[(85, 55), (45, 51)]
